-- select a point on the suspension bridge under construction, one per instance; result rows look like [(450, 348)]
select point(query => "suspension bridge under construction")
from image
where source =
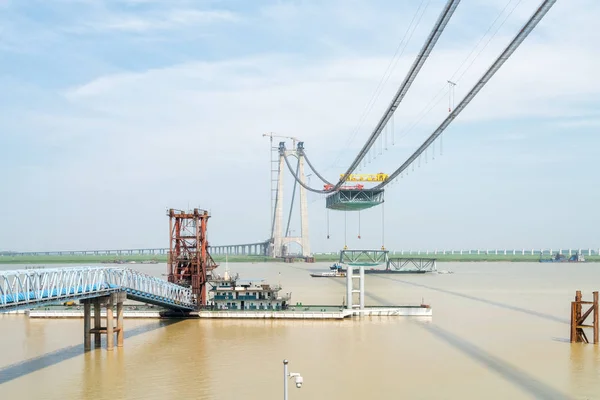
[(190, 264), (341, 196)]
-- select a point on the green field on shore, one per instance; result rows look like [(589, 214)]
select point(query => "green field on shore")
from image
[(96, 259)]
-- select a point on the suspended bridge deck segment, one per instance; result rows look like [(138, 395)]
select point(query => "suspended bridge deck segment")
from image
[(22, 289), (354, 199), (365, 258)]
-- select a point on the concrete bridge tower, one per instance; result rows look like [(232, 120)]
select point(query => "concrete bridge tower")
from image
[(280, 239)]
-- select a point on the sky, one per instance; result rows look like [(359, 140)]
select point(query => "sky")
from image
[(114, 111)]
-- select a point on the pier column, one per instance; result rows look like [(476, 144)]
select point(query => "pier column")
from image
[(362, 288), (97, 323), (110, 325), (595, 321), (120, 330), (87, 319), (349, 287)]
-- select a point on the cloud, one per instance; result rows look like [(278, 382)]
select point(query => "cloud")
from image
[(172, 19)]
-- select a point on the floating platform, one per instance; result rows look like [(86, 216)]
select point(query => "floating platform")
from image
[(294, 312), (354, 199), (324, 313), (79, 314), (129, 311)]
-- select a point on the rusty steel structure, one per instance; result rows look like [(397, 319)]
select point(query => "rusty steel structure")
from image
[(189, 263), (578, 319)]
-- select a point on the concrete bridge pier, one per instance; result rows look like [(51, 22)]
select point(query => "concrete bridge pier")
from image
[(109, 302)]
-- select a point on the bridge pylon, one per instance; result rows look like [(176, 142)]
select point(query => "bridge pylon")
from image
[(280, 239)]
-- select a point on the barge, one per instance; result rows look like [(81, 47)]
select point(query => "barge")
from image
[(558, 257)]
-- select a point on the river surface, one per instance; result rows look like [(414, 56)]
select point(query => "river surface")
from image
[(498, 331)]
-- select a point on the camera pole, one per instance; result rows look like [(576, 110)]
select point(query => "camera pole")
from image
[(285, 379)]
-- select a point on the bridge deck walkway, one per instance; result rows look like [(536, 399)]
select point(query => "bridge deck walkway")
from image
[(34, 288)]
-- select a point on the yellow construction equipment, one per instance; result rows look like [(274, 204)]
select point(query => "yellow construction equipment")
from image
[(380, 177)]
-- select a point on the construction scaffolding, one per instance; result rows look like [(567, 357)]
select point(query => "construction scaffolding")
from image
[(189, 263)]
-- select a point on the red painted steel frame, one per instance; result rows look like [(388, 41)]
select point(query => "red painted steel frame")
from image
[(189, 261)]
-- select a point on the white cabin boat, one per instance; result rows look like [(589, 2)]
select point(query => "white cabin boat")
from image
[(232, 293)]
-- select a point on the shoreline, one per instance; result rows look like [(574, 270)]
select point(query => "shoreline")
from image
[(155, 259)]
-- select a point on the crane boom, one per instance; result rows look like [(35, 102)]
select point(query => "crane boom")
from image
[(271, 135)]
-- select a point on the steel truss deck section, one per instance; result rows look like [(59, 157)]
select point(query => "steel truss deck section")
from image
[(34, 288), (354, 199), (412, 264), (364, 257)]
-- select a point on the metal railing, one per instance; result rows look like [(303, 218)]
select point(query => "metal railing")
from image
[(32, 288)]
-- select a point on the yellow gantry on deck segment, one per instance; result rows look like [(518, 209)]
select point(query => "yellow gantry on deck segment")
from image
[(380, 177)]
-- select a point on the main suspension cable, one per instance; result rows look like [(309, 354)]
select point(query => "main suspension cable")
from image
[(435, 100), (414, 70), (387, 73), (314, 170), (430, 43), (505, 55), (304, 185)]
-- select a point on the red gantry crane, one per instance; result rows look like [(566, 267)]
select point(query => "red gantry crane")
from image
[(189, 262)]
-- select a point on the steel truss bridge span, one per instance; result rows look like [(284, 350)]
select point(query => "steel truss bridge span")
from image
[(38, 287)]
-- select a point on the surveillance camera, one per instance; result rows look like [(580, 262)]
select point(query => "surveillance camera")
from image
[(299, 382)]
